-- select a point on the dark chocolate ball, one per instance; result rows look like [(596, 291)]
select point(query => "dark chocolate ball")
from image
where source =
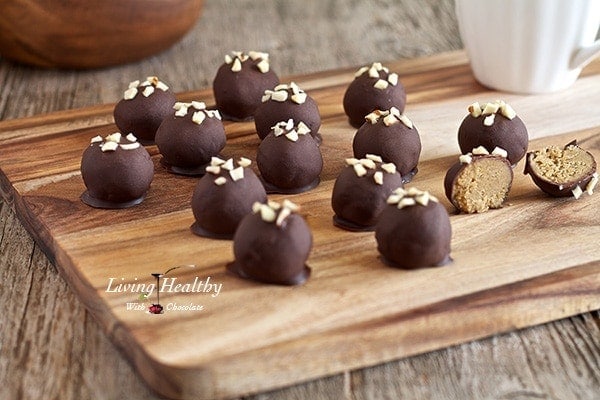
[(241, 82), (491, 130), (117, 172), (360, 192), (143, 108), (373, 88), (289, 160), (272, 249), (561, 172), (190, 137), (393, 137), (223, 197), (285, 102), (416, 235)]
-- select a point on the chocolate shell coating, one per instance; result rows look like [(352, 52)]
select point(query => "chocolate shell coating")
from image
[(287, 166), (238, 94), (272, 254), (508, 134), (271, 112), (218, 209), (477, 186), (396, 143), (116, 179), (188, 145), (576, 170), (359, 201), (362, 97), (143, 115), (415, 236)]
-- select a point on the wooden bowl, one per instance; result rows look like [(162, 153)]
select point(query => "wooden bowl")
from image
[(91, 33)]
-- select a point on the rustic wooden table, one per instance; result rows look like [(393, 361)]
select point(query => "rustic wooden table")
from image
[(50, 347)]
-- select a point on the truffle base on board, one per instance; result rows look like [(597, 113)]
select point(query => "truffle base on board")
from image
[(196, 171), (272, 189), (98, 203)]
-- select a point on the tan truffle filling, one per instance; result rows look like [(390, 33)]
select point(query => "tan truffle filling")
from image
[(482, 185), (561, 165)]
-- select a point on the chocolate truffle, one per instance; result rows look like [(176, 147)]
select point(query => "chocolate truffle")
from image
[(117, 172), (391, 135), (479, 180), (373, 88), (494, 125), (289, 159), (361, 190), (569, 171), (241, 82), (189, 138), (272, 245), (224, 196), (143, 108), (414, 230), (284, 102)]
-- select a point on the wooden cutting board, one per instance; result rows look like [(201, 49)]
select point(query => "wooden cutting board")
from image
[(535, 260)]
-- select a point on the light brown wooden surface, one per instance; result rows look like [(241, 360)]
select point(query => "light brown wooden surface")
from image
[(44, 328)]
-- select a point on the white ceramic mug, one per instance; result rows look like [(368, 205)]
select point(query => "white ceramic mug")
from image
[(529, 46)]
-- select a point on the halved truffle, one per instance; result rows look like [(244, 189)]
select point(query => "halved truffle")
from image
[(224, 196), (414, 230), (392, 136), (241, 82), (189, 138), (361, 190), (143, 108), (374, 88), (569, 171), (479, 180), (289, 159), (117, 172), (284, 102), (272, 245), (492, 125)]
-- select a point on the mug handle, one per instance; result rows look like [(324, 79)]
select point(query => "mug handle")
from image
[(584, 55)]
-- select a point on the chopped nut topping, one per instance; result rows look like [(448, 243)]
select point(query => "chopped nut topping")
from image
[(109, 146), (490, 110), (393, 79), (374, 158), (352, 161), (499, 151), (228, 59), (148, 90), (389, 120), (489, 120), (213, 169), (577, 192), (228, 165), (390, 168), (381, 84), (244, 162), (367, 163), (389, 117), (302, 128), (237, 174), (299, 98), (134, 84), (96, 139), (465, 158), (237, 65), (287, 128), (162, 86), (263, 66), (475, 110), (361, 71), (198, 105), (115, 137), (198, 117), (405, 198), (267, 214), (131, 137), (130, 93), (592, 184), (507, 111), (182, 111), (373, 72), (292, 135), (130, 146), (216, 161), (480, 151), (274, 212), (360, 170), (378, 177), (220, 181), (255, 55), (280, 95)]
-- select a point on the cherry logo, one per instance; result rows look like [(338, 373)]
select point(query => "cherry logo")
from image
[(156, 308)]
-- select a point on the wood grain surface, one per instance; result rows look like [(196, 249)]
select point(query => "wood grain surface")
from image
[(51, 347), (354, 311)]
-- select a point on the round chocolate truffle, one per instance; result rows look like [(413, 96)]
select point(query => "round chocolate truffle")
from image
[(361, 190), (189, 138), (373, 88), (494, 125), (143, 108), (117, 172), (241, 82), (284, 102), (479, 180), (224, 196), (393, 136), (414, 230), (272, 245), (289, 159), (569, 171)]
